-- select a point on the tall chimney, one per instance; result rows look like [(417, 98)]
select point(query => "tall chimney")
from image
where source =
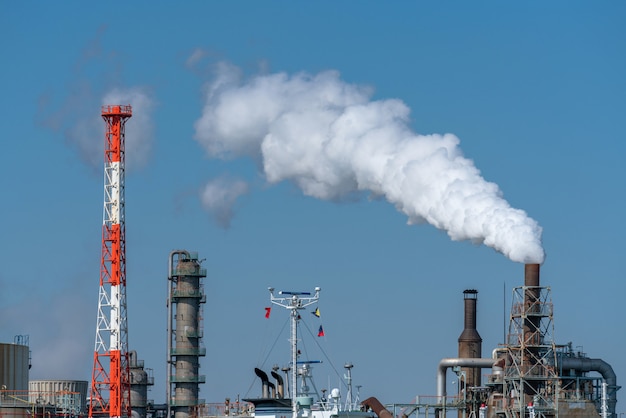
[(470, 342)]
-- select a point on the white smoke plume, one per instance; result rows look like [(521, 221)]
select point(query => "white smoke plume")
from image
[(218, 197), (333, 141)]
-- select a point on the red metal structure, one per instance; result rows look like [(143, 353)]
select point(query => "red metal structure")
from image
[(110, 381)]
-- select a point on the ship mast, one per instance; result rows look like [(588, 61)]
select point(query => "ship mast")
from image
[(294, 302)]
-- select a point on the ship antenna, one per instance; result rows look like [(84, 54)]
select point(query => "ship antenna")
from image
[(348, 366), (294, 302)]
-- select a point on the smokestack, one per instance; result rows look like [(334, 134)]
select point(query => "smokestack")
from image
[(280, 392), (532, 304), (531, 275), (470, 342), (264, 383)]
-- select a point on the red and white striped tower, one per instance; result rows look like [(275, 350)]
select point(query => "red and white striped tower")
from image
[(110, 381)]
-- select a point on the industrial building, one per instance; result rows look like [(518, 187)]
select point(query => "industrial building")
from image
[(529, 376)]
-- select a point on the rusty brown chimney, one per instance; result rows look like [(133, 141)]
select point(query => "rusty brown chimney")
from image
[(531, 274), (470, 342), (532, 304)]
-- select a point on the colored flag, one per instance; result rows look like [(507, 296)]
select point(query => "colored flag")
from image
[(267, 312), (320, 333), (316, 312)]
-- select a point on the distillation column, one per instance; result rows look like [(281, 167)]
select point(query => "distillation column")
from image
[(140, 379), (185, 332)]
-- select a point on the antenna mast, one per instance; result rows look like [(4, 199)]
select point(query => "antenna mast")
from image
[(294, 301), (110, 381)]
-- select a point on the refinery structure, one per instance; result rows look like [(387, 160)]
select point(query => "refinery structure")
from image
[(530, 375)]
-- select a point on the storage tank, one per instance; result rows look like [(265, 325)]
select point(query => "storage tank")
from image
[(14, 365), (69, 396)]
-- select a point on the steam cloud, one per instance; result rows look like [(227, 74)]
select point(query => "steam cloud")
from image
[(218, 197), (77, 116), (83, 129), (333, 141), (139, 131)]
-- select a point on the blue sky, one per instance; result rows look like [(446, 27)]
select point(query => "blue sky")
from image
[(534, 93)]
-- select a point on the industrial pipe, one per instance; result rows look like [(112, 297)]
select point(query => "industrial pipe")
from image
[(377, 407), (595, 365), (444, 364)]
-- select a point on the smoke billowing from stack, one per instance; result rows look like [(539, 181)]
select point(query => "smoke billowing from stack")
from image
[(333, 142)]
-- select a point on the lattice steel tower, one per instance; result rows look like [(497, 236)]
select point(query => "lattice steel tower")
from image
[(110, 387), (530, 377)]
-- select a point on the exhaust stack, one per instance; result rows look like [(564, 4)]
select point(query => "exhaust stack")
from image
[(280, 391), (470, 342), (531, 274), (265, 383)]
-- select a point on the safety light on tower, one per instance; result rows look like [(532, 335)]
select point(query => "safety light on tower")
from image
[(110, 381)]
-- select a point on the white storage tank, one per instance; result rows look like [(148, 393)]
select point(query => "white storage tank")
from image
[(67, 395)]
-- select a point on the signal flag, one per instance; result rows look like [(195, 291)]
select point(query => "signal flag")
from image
[(320, 333), (267, 312)]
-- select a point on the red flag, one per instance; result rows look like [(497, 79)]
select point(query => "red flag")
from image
[(267, 312), (320, 333)]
